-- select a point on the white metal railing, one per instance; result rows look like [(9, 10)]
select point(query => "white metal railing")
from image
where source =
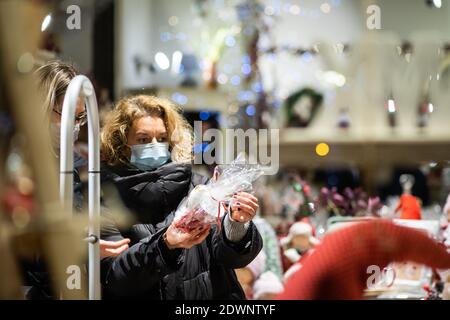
[(81, 86)]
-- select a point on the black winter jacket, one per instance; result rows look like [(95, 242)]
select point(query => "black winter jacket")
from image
[(148, 269)]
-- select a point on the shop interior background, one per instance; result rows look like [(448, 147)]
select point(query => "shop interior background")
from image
[(139, 46), (357, 105)]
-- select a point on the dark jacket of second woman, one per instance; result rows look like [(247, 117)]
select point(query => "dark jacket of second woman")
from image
[(148, 269)]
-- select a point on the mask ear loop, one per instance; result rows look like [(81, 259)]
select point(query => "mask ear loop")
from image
[(219, 204)]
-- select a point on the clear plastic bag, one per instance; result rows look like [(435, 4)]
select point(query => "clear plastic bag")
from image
[(202, 206)]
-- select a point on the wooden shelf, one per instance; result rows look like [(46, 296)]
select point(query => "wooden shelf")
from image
[(371, 156), (303, 154), (297, 147), (342, 136)]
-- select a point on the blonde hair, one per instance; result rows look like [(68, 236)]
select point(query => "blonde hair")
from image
[(54, 78), (119, 121)]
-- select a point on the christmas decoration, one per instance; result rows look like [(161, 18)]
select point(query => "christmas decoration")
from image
[(302, 106), (409, 204), (351, 202)]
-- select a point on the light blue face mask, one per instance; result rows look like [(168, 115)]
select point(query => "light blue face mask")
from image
[(150, 156)]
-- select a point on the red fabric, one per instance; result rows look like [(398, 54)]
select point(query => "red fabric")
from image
[(12, 198), (285, 262), (337, 269), (410, 207)]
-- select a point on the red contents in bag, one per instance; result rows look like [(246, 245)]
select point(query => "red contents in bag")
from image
[(192, 220)]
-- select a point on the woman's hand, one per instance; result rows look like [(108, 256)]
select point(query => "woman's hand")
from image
[(175, 239), (113, 248), (243, 207)]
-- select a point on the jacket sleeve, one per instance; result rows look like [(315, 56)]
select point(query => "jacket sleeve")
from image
[(235, 255), (136, 270)]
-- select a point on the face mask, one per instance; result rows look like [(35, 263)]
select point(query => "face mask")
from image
[(55, 131), (150, 156)]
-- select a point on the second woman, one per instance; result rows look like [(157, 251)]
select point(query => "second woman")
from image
[(147, 148)]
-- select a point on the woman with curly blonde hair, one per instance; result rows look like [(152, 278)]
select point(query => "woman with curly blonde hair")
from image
[(147, 153), (164, 116)]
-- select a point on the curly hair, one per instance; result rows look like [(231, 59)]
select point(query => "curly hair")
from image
[(119, 121)]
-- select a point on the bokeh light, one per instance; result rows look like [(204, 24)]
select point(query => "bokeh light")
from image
[(322, 149)]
